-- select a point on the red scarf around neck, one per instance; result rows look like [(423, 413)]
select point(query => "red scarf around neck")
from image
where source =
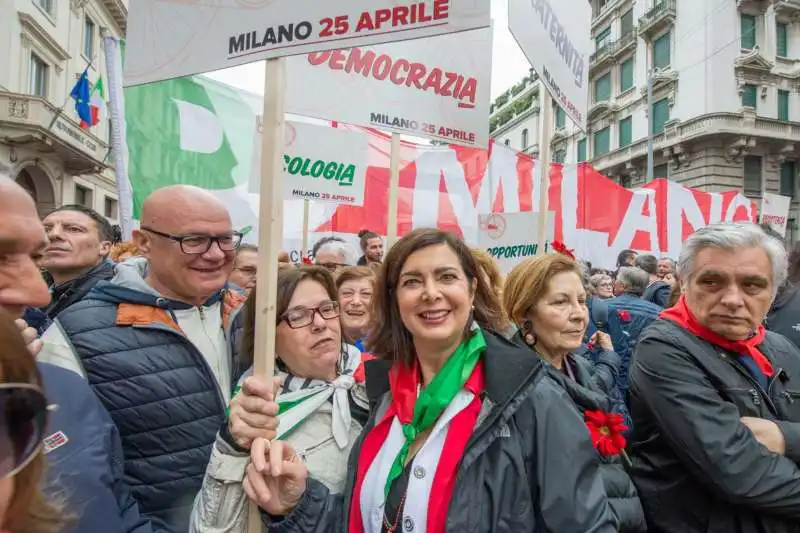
[(403, 383), (682, 315)]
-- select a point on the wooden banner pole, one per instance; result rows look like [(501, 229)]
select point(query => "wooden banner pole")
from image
[(304, 245), (270, 232), (394, 190), (545, 135)]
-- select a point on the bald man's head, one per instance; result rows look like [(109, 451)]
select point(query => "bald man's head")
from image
[(22, 240), (187, 237)]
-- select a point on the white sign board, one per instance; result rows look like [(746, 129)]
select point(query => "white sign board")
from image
[(510, 238), (436, 88), (172, 38), (320, 163), (555, 36), (775, 211)]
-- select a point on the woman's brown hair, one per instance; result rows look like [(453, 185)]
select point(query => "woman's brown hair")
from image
[(353, 273), (288, 280), (30, 510), (674, 294), (391, 340), (527, 283), (489, 267)]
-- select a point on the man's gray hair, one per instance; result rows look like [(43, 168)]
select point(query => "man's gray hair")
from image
[(647, 262), (344, 250), (731, 237), (634, 279)]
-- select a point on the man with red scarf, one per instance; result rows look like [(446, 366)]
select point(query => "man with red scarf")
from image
[(715, 399)]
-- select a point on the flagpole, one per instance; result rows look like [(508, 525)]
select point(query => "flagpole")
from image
[(61, 109)]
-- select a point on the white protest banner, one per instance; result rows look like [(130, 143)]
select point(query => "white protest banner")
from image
[(172, 38), (775, 211), (436, 88), (555, 36), (511, 237), (320, 163)]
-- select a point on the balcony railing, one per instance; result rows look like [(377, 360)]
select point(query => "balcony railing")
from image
[(661, 14)]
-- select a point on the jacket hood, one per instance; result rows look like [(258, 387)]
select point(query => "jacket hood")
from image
[(129, 286)]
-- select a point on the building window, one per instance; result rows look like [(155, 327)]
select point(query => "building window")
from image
[(83, 196), (626, 75), (47, 5), (524, 138), (110, 208), (752, 175), (602, 38), (661, 52), (40, 72), (782, 37), (783, 105), (748, 30), (601, 142), (602, 88), (508, 141), (750, 96), (88, 38), (625, 131), (626, 23), (581, 151), (559, 156), (787, 179), (660, 115), (561, 117), (661, 171)]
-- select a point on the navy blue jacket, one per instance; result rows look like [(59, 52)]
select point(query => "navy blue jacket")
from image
[(87, 468), (628, 316), (158, 389)]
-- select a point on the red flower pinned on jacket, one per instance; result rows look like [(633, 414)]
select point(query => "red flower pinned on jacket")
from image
[(606, 431), (561, 248), (624, 315), (307, 260)]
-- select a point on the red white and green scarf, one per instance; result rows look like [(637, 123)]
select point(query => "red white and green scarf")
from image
[(449, 406)]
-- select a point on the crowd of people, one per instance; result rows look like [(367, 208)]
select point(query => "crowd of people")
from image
[(417, 389)]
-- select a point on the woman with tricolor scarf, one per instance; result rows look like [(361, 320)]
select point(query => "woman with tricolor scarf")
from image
[(545, 296), (466, 433), (322, 403)]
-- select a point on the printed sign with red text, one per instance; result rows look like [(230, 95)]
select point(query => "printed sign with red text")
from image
[(172, 38), (437, 88), (775, 211)]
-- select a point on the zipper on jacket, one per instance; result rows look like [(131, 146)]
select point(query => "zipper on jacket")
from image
[(302, 454), (758, 388)]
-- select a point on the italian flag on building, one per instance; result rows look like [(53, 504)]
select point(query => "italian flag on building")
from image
[(97, 103)]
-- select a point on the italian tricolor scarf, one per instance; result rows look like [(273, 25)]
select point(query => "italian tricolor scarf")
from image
[(457, 385)]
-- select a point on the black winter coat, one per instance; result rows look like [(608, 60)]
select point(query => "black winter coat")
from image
[(529, 465), (590, 392), (784, 316), (698, 469)]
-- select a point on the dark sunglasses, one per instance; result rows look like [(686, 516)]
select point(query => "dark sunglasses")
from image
[(23, 418)]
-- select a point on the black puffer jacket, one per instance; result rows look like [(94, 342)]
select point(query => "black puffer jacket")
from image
[(698, 469), (588, 393), (529, 465), (784, 316)]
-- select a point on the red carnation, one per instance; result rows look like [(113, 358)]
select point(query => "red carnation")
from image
[(624, 315), (606, 430), (561, 248)]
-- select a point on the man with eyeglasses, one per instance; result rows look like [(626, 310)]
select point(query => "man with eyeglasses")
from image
[(245, 269), (81, 442), (158, 345)]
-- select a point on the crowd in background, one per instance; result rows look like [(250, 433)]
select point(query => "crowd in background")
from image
[(416, 388)]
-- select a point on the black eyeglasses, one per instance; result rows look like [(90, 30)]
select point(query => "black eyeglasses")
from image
[(302, 317), (200, 244), (23, 417)]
